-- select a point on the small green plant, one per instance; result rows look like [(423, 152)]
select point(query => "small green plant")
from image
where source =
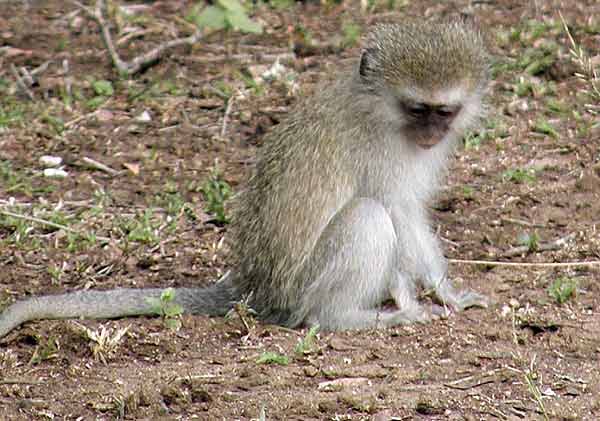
[(473, 140), (494, 129), (307, 344), (62, 45), (562, 289), (519, 175), (281, 4), (172, 201), (45, 351), (13, 180), (142, 228), (216, 191), (538, 60), (534, 390), (468, 192), (351, 34), (166, 307), (11, 114), (530, 240), (224, 14), (524, 88), (272, 358), (78, 242), (56, 124), (255, 86), (557, 107), (56, 272), (544, 127), (103, 90), (20, 229)]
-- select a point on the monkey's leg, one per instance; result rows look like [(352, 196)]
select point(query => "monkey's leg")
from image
[(420, 253), (352, 270)]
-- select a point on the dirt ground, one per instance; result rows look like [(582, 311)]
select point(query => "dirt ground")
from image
[(525, 188)]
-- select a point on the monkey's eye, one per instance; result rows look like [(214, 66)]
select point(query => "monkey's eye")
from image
[(418, 109), (447, 112)]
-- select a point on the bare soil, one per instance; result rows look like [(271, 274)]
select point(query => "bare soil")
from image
[(526, 357)]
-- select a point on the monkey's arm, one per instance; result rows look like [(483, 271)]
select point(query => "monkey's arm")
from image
[(420, 255)]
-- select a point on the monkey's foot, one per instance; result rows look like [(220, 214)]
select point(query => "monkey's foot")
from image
[(466, 299), (413, 314)]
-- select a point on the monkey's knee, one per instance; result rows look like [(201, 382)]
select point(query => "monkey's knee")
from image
[(368, 222)]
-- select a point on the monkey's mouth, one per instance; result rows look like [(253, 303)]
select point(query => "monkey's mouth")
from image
[(428, 136), (428, 142)]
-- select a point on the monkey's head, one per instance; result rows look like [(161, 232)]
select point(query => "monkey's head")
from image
[(428, 78)]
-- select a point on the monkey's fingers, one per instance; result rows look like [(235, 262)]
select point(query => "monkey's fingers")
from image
[(440, 312), (413, 314), (467, 299)]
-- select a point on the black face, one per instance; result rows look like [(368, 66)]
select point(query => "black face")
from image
[(428, 123)]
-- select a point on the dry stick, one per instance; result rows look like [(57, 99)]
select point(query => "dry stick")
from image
[(139, 62), (525, 264), (226, 116), (521, 223), (40, 69), (99, 166), (88, 115), (242, 57), (137, 34), (20, 83), (27, 78), (48, 223), (551, 245), (20, 381)]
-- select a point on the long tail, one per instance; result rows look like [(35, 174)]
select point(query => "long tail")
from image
[(215, 300)]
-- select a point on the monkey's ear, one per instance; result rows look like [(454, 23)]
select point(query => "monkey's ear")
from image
[(366, 62)]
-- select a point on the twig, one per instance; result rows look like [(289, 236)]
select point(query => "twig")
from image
[(19, 381), (41, 68), (137, 34), (241, 57), (552, 245), (26, 76), (525, 264), (99, 166), (470, 382), (20, 83), (48, 223), (521, 223), (85, 116), (226, 116), (140, 62)]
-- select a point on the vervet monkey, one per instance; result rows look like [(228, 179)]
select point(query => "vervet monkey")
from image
[(334, 221)]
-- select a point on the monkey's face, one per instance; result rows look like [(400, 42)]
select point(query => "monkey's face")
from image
[(427, 124)]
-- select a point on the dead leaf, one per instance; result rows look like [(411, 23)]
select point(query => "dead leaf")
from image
[(133, 168)]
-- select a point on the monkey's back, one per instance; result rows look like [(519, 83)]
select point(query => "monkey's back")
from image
[(303, 174)]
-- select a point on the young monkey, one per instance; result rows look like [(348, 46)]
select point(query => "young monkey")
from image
[(334, 221)]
